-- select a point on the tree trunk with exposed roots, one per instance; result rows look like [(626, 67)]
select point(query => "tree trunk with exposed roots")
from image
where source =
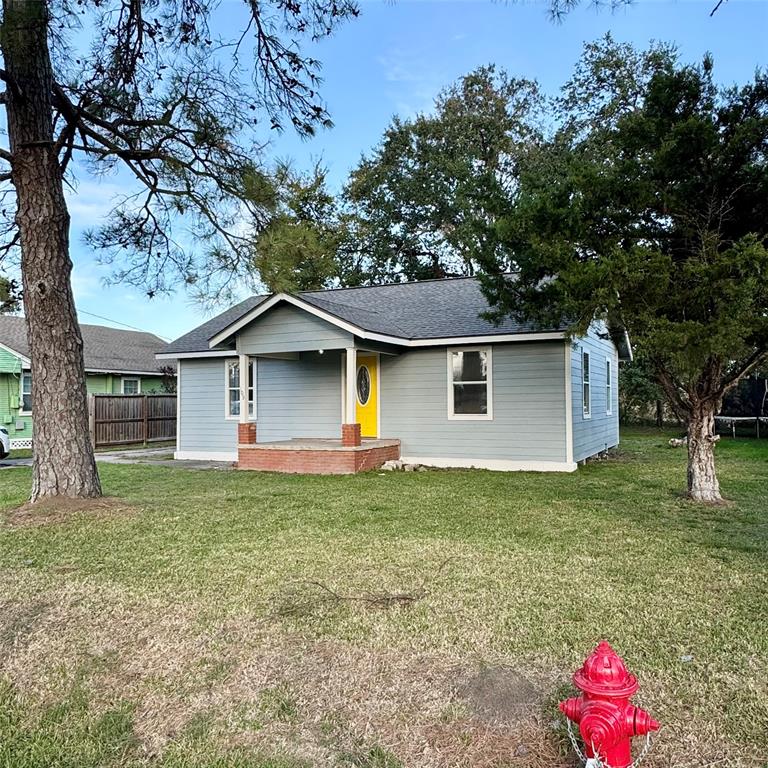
[(702, 478), (64, 463)]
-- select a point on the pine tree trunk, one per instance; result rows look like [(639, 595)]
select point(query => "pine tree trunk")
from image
[(63, 457), (702, 479)]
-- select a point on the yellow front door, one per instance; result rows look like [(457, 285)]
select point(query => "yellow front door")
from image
[(367, 389)]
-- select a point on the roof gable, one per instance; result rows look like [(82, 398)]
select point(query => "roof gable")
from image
[(284, 327), (10, 362)]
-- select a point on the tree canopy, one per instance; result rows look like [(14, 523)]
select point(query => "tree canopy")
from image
[(310, 241), (150, 90), (426, 200), (9, 295), (649, 208)]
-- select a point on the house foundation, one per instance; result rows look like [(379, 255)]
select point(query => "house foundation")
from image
[(317, 457)]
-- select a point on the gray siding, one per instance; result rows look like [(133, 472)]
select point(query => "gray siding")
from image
[(202, 426), (601, 431), (528, 405), (299, 398), (287, 329)]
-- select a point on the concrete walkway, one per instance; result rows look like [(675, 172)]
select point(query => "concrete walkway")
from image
[(139, 456)]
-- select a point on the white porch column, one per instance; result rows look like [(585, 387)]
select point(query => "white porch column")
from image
[(350, 399), (243, 365), (246, 429), (350, 429)]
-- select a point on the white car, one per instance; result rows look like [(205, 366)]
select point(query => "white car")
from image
[(5, 443)]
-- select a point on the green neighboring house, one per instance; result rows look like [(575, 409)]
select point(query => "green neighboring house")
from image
[(116, 361)]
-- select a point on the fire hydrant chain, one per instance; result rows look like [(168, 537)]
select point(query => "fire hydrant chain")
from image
[(596, 762), (606, 717)]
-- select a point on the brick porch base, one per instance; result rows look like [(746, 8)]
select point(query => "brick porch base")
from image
[(317, 457)]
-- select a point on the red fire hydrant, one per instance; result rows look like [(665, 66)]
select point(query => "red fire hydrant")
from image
[(606, 718)]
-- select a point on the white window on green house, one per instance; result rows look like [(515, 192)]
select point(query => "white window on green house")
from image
[(608, 388), (26, 392), (232, 391), (131, 386), (586, 393)]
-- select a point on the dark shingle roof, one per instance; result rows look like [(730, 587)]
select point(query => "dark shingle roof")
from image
[(105, 349), (431, 309)]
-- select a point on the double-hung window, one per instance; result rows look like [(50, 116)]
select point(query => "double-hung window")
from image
[(608, 387), (26, 392), (470, 392), (232, 390), (586, 389), (131, 386)]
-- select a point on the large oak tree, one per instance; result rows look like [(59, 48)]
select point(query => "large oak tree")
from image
[(147, 88), (425, 202)]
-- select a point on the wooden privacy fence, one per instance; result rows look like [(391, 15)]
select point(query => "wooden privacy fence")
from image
[(124, 419)]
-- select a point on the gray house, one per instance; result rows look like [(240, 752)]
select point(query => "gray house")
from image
[(342, 380)]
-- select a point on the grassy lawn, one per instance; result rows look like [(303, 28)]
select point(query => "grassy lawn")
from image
[(241, 620)]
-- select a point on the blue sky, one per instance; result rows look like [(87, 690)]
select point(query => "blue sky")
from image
[(395, 58)]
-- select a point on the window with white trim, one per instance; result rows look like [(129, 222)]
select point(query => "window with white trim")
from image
[(470, 393), (131, 386), (232, 389), (608, 386), (25, 386), (586, 393)]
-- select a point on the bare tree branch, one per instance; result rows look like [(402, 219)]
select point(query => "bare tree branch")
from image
[(716, 8)]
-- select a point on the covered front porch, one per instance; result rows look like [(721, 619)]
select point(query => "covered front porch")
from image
[(317, 456), (358, 445)]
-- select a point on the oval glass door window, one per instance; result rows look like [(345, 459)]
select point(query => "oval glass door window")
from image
[(363, 384)]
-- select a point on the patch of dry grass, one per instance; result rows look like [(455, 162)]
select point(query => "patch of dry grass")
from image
[(319, 701), (56, 511)]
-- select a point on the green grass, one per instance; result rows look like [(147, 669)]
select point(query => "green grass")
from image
[(212, 599)]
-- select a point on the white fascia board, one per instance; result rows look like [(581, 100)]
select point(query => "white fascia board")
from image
[(371, 336), (494, 339), (13, 352), (124, 373), (192, 355)]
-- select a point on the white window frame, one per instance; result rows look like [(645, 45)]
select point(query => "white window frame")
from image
[(608, 386), (123, 379), (488, 382), (24, 373), (227, 390), (586, 384)]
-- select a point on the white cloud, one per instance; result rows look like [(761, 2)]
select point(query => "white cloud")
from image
[(85, 284), (92, 199), (414, 81), (401, 67)]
